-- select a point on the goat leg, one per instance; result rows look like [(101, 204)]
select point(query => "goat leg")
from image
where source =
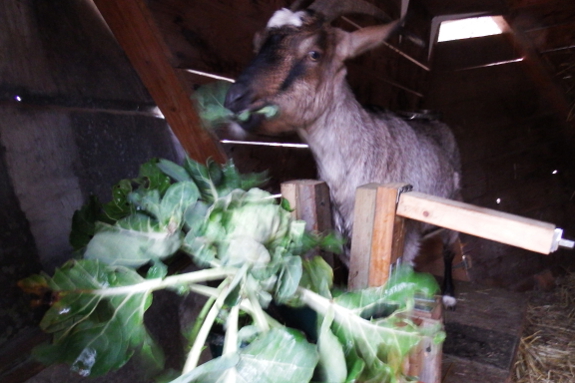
[(448, 289)]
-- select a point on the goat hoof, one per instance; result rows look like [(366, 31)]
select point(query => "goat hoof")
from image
[(449, 302)]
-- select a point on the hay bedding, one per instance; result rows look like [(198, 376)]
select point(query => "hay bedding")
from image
[(547, 350)]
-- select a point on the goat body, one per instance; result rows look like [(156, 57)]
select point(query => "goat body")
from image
[(300, 69)]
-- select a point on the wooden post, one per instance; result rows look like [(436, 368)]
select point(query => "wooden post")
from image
[(425, 360), (311, 203), (378, 235), (136, 31)]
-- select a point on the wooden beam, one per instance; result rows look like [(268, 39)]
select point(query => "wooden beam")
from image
[(310, 202), (536, 68), (541, 14), (553, 38), (486, 223), (377, 239), (135, 29)]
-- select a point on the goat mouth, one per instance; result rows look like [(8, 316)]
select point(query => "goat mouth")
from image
[(250, 119)]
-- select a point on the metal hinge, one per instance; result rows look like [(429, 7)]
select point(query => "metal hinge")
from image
[(558, 241)]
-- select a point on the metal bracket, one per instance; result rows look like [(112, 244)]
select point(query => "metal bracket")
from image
[(401, 190), (558, 241)]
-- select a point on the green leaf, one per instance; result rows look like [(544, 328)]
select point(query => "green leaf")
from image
[(212, 371), (178, 198), (263, 221), (157, 270), (268, 111), (317, 276), (372, 326), (133, 241), (195, 217), (146, 200), (173, 170), (384, 342), (399, 293), (209, 101), (279, 356), (201, 176), (151, 177), (332, 367), (119, 207), (288, 279), (83, 223), (150, 356), (96, 331), (241, 250)]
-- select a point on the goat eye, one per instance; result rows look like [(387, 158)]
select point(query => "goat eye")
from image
[(314, 55)]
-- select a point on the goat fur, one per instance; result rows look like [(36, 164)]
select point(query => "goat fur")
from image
[(352, 146)]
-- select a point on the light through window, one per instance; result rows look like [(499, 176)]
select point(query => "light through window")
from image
[(468, 28)]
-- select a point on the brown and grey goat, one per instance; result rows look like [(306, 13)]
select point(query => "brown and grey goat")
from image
[(299, 68)]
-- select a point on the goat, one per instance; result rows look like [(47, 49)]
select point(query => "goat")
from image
[(299, 68)]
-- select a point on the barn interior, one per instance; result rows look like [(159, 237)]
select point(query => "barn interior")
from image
[(91, 89)]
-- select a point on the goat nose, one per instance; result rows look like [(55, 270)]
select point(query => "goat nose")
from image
[(236, 98)]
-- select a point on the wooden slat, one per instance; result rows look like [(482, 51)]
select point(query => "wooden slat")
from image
[(472, 53), (377, 239), (442, 7), (553, 38), (135, 30), (491, 224), (541, 15), (538, 71), (311, 203)]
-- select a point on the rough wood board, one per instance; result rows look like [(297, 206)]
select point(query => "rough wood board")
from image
[(486, 223), (470, 53), (488, 308), (375, 244), (482, 334), (458, 370), (136, 31)]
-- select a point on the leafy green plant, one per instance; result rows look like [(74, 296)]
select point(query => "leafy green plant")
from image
[(250, 245), (209, 101)]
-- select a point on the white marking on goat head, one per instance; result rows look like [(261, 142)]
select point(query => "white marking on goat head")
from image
[(285, 17)]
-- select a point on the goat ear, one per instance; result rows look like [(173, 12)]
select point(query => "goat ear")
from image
[(355, 43), (257, 43)]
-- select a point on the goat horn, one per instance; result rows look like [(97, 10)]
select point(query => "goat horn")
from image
[(332, 9)]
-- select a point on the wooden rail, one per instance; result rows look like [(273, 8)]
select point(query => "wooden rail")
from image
[(491, 224), (377, 240)]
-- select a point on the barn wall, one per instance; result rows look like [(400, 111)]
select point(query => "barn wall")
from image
[(74, 119), (516, 150)]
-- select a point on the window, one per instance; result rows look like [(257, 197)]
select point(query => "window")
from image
[(467, 28)]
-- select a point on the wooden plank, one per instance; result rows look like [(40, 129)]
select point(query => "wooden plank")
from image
[(491, 224), (377, 239), (311, 202), (539, 71), (135, 30), (472, 53), (482, 334), (442, 7), (553, 38), (544, 14)]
